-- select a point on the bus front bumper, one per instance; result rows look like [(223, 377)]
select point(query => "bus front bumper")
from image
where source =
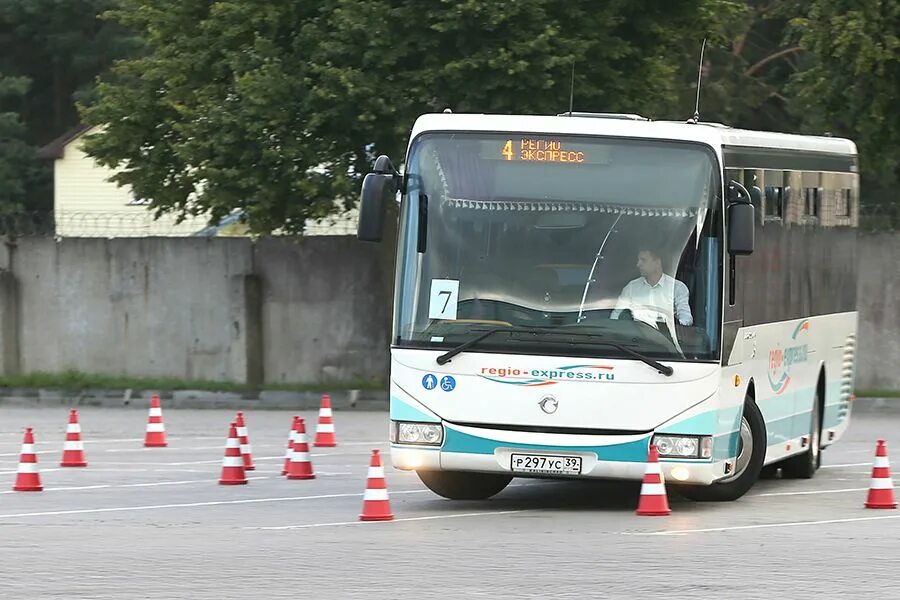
[(602, 457)]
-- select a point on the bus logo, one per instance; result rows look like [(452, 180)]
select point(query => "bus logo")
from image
[(542, 377), (549, 404), (781, 360)]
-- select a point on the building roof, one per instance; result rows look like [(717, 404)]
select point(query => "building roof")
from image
[(56, 148)]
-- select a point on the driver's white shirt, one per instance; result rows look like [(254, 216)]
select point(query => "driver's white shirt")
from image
[(652, 303)]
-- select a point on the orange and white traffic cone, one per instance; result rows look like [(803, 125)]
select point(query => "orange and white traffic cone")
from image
[(233, 465), (28, 478), (325, 428), (881, 489), (73, 447), (300, 466), (376, 505), (653, 500), (156, 429), (290, 446), (244, 438)]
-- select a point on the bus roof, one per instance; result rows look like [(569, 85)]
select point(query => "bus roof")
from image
[(712, 134)]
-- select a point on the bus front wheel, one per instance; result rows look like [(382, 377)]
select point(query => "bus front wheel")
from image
[(748, 464), (458, 485)]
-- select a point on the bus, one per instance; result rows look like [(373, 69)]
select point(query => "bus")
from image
[(573, 288)]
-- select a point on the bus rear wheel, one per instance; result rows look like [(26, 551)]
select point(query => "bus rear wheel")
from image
[(749, 462), (459, 485), (804, 466)]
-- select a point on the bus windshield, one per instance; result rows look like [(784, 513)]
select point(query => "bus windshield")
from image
[(616, 238)]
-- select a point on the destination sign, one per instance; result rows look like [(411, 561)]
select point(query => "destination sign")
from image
[(540, 150)]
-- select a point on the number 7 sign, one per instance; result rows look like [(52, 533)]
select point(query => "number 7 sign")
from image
[(442, 302)]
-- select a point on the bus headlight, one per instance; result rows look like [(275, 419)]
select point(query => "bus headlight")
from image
[(683, 446), (418, 434)]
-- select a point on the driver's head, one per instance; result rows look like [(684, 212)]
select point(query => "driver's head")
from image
[(649, 263)]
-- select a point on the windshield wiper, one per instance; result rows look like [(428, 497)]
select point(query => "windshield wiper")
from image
[(445, 357)]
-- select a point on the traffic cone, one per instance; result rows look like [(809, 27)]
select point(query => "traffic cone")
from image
[(28, 478), (73, 447), (881, 490), (653, 500), (156, 429), (376, 506), (300, 466), (233, 465), (290, 446), (244, 438), (325, 427)]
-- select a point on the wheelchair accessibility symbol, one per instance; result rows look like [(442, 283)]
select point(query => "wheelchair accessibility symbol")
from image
[(448, 383)]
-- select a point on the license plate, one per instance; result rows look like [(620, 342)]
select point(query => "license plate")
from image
[(543, 463)]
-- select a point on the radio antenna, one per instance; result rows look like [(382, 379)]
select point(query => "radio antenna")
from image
[(572, 90), (699, 80)]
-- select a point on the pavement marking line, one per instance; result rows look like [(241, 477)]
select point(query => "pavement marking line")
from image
[(85, 511), (129, 485), (14, 471), (60, 489), (808, 493), (38, 452), (428, 518), (865, 464), (762, 526)]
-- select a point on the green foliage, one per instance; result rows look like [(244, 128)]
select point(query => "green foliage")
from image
[(852, 87), (745, 74), (278, 107), (61, 46), (19, 168), (51, 51)]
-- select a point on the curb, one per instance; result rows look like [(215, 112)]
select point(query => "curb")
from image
[(875, 405), (360, 400)]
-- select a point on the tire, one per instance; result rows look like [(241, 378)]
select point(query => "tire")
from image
[(753, 432), (769, 471), (459, 485), (804, 466)]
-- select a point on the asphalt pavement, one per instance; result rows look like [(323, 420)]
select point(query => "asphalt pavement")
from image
[(153, 523)]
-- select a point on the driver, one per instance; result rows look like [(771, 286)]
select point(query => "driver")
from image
[(654, 296)]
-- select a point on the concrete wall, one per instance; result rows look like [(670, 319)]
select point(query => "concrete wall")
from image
[(878, 366), (325, 314), (277, 310), (144, 306), (218, 309)]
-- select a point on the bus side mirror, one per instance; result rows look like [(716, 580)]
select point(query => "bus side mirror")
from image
[(741, 220), (378, 188)]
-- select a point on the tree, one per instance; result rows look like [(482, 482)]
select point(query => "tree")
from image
[(19, 169), (745, 77), (50, 51), (277, 108), (60, 46), (852, 86)]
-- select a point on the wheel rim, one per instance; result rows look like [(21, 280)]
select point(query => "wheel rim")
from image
[(745, 451)]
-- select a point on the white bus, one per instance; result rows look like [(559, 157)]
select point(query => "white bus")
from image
[(572, 288)]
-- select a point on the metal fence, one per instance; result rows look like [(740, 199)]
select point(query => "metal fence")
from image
[(872, 218), (143, 224)]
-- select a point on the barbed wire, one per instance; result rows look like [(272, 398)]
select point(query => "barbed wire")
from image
[(880, 217), (143, 224), (872, 218)]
